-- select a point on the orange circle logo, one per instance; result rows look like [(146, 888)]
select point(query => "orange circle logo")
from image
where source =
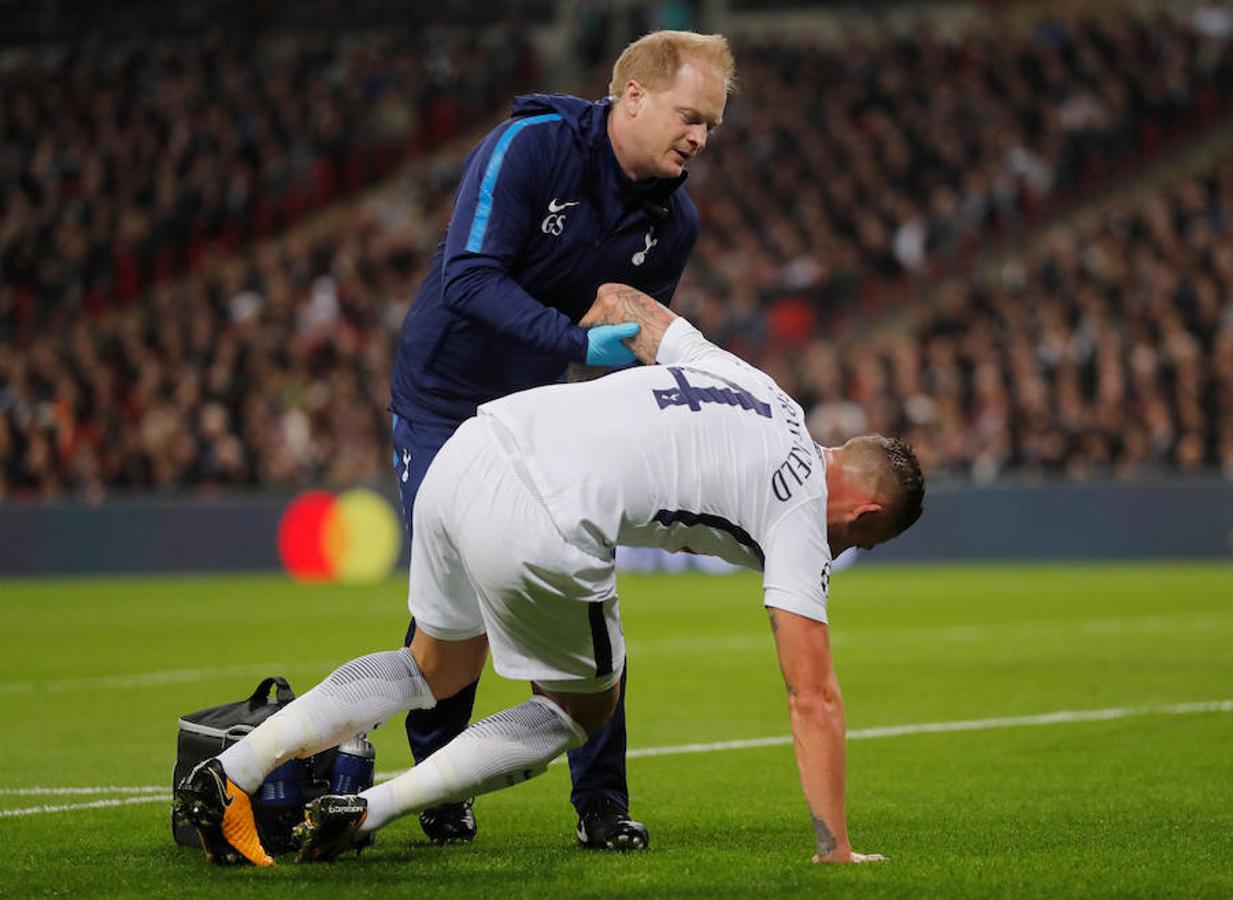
[(354, 537)]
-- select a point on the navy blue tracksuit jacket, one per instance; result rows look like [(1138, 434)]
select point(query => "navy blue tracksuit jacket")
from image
[(544, 216)]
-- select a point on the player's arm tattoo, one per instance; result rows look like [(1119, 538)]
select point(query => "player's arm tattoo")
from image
[(632, 305), (616, 304), (823, 837), (770, 614)]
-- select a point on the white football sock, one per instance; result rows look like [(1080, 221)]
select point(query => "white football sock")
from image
[(497, 752), (357, 696)]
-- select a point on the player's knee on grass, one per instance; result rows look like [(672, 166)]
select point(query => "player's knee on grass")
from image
[(591, 711), (449, 666)]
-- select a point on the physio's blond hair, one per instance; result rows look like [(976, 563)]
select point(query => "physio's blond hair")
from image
[(654, 59)]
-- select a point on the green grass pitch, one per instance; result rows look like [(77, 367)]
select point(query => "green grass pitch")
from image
[(95, 672)]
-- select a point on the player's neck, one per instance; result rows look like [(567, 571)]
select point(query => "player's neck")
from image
[(839, 501)]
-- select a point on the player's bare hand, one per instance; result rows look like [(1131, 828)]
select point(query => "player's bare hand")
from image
[(612, 303), (619, 303), (849, 856)]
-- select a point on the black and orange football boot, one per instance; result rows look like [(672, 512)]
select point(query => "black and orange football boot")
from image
[(222, 814)]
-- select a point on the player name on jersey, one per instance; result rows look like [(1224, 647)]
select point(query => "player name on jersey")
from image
[(797, 466), (791, 473)]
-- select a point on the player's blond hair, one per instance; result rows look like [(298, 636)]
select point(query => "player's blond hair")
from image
[(654, 59)]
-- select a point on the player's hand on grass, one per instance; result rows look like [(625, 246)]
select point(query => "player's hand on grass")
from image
[(606, 347), (848, 856)]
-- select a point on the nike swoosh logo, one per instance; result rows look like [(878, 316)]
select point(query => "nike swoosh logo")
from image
[(222, 787), (555, 207)]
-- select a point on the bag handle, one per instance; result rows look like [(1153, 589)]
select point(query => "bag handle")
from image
[(261, 696)]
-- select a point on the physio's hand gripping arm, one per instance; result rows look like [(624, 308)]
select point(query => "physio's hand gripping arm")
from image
[(616, 304)]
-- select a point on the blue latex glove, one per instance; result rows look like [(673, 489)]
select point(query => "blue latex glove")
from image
[(604, 347)]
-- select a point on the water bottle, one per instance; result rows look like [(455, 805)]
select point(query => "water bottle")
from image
[(353, 766), (281, 788)]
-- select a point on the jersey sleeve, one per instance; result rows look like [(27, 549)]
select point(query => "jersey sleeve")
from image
[(682, 344), (494, 214), (797, 571)]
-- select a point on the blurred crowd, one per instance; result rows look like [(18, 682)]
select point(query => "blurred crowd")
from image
[(67, 20), (122, 165), (844, 173), (1108, 353), (269, 368), (840, 180)]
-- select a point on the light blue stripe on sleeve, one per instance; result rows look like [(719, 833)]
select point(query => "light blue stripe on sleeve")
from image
[(483, 209)]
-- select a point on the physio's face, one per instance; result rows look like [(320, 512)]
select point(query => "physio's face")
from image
[(672, 125)]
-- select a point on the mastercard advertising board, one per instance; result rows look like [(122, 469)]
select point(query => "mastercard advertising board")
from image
[(353, 537)]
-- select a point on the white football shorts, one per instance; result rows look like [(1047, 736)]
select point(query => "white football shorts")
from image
[(487, 558)]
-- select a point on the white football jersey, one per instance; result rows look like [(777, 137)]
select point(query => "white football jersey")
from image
[(702, 452)]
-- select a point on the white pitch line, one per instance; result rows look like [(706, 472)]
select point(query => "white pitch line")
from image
[(74, 807), (78, 791), (137, 679), (1054, 718)]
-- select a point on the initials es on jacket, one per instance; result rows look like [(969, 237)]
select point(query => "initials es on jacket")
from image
[(554, 222)]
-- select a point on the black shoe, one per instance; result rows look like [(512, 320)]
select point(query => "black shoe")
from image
[(222, 814), (450, 823), (331, 827), (606, 825)]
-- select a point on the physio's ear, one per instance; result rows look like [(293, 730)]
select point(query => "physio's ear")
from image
[(633, 97)]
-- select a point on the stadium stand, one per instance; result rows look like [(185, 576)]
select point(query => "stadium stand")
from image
[(844, 187), (845, 174), (128, 162), (156, 156), (1107, 353)]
